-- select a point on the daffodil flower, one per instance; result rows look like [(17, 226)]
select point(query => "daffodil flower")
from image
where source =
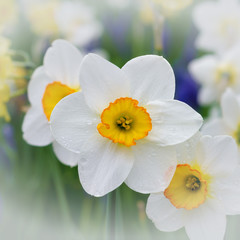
[(216, 73), (218, 23), (57, 78), (229, 123), (122, 124), (204, 189)]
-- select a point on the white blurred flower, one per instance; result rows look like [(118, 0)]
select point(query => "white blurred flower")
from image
[(41, 16), (229, 123), (72, 20), (77, 23), (122, 122), (57, 78), (216, 73), (204, 189), (218, 23)]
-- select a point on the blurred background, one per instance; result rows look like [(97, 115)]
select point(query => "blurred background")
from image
[(40, 198)]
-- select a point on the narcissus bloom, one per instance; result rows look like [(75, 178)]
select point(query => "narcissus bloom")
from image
[(204, 189), (216, 73), (57, 78), (218, 23), (122, 122), (229, 123)]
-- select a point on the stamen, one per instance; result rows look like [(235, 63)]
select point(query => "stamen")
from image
[(192, 183), (124, 122)]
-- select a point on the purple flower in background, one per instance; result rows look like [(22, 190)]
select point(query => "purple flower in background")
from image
[(186, 87)]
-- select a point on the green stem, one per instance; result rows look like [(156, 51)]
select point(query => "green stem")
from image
[(111, 215), (60, 190)]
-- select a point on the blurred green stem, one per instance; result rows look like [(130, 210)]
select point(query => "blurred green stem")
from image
[(60, 190), (111, 215), (114, 216)]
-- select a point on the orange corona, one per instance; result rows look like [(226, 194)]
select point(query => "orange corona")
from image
[(54, 92), (188, 188), (123, 121)]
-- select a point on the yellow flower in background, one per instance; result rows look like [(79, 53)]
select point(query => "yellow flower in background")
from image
[(4, 98), (42, 18), (146, 11), (6, 66), (19, 74), (12, 77), (170, 7), (8, 12)]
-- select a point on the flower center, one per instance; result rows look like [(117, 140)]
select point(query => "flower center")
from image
[(229, 26), (192, 183), (54, 92), (123, 121), (226, 75), (188, 188)]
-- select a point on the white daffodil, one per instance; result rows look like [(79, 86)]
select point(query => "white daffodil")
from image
[(218, 23), (120, 122), (229, 123), (216, 73), (204, 189), (57, 78), (77, 23)]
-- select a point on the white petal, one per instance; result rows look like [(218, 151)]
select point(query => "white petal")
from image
[(102, 82), (230, 109), (173, 122), (62, 63), (153, 167), (227, 191), (207, 41), (72, 122), (207, 95), (186, 151), (218, 155), (65, 156), (216, 127), (201, 11), (35, 128), (203, 69), (37, 86), (205, 222), (151, 78), (103, 165), (163, 214)]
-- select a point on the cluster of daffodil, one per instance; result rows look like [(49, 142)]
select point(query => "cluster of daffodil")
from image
[(123, 125), (205, 186), (219, 72)]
